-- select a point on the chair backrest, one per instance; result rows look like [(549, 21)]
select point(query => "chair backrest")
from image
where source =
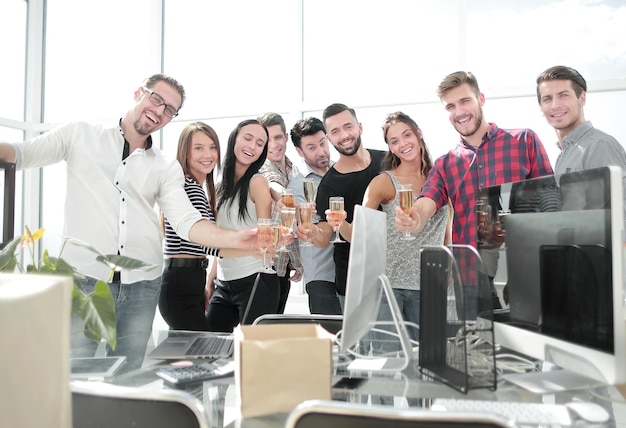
[(35, 362), (100, 405), (339, 414), (332, 323)]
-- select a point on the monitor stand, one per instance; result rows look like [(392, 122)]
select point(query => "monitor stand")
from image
[(392, 364)]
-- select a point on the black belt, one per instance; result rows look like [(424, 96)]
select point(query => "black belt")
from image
[(187, 263)]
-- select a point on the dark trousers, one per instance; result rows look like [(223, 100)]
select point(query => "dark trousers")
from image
[(229, 301), (285, 286), (182, 301), (323, 298)]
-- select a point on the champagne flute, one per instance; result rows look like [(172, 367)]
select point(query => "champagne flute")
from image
[(305, 213), (309, 189), (265, 238), (288, 199), (405, 193), (287, 217), (483, 222), (276, 233), (308, 186), (502, 229), (335, 204)]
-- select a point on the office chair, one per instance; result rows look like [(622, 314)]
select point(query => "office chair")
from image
[(341, 414), (332, 323), (101, 405)]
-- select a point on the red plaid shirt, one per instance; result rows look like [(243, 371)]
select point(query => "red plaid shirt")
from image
[(504, 156)]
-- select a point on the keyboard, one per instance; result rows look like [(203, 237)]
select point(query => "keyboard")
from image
[(217, 346), (181, 377), (519, 412)]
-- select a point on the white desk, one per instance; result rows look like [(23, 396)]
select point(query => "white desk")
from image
[(401, 390)]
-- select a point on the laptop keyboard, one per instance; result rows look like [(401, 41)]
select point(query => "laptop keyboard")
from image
[(218, 346)]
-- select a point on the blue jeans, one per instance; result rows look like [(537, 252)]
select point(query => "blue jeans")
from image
[(409, 304), (135, 306), (323, 298)]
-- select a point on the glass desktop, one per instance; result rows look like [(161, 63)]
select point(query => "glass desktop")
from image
[(403, 389)]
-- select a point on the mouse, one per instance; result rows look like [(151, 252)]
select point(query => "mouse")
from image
[(587, 411)]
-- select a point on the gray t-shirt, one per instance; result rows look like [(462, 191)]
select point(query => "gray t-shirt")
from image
[(403, 257)]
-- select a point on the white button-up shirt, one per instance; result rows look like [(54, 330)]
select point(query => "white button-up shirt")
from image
[(110, 202)]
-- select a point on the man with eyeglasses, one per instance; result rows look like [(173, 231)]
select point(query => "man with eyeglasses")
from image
[(114, 179)]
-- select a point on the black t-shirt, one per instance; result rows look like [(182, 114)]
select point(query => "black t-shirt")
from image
[(352, 187)]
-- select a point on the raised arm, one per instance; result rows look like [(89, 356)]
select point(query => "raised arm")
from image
[(423, 209), (7, 152)]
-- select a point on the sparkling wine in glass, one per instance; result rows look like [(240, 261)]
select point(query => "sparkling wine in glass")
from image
[(335, 204), (483, 221), (287, 217), (265, 237), (305, 215), (309, 195), (309, 190), (501, 226), (276, 233), (288, 199), (405, 193)]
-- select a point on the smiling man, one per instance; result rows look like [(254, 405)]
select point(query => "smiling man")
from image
[(486, 156), (349, 178), (114, 179), (562, 95)]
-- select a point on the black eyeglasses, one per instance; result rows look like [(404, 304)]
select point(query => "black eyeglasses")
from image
[(158, 101)]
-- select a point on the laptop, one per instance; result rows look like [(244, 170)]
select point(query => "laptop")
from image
[(205, 345)]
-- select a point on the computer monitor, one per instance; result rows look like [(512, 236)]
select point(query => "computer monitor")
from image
[(564, 272), (366, 282), (35, 328)]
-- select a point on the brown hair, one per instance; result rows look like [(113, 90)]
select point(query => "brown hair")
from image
[(182, 154), (155, 78), (561, 72), (456, 79), (184, 141), (391, 161)]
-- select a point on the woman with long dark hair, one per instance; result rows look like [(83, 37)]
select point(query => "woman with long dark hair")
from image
[(243, 197)]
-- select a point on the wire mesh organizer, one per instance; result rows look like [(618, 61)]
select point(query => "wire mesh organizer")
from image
[(456, 313)]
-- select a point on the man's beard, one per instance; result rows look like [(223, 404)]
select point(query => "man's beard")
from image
[(351, 152), (141, 130), (478, 122)]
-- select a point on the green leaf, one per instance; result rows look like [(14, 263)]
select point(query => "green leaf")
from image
[(98, 312), (115, 261), (80, 243), (8, 261), (55, 266), (79, 299)]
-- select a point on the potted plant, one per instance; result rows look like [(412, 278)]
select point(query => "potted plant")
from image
[(97, 309)]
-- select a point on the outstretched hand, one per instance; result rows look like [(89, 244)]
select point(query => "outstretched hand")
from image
[(246, 239), (404, 220)]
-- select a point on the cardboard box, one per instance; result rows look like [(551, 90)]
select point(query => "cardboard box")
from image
[(281, 365)]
